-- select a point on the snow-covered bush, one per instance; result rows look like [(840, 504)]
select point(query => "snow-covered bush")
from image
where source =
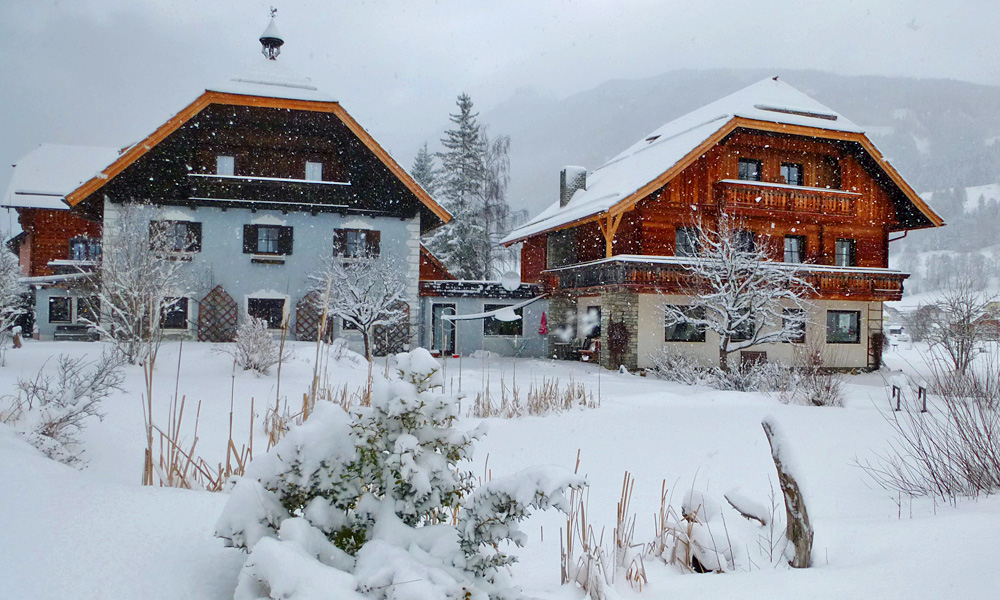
[(254, 347), (12, 303), (51, 410), (375, 501), (812, 383), (673, 365)]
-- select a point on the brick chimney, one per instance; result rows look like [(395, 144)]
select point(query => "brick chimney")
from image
[(571, 179)]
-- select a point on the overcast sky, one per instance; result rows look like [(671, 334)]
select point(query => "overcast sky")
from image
[(109, 72)]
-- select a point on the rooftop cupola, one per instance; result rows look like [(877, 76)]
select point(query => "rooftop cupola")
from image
[(270, 40)]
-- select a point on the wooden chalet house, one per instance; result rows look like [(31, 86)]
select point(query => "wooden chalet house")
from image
[(801, 180), (261, 179)]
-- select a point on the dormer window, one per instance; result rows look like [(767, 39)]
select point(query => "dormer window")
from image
[(749, 169), (314, 171), (225, 165)]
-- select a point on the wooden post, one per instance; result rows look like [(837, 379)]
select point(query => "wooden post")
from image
[(922, 395), (897, 395), (609, 226)]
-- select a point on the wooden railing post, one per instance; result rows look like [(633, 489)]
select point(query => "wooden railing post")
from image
[(897, 395)]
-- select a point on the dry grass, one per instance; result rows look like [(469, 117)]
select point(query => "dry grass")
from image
[(547, 397)]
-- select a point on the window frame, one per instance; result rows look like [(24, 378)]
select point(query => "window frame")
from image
[(692, 246), (179, 307), (493, 327), (313, 165), (800, 251), (69, 309), (830, 327), (225, 165), (251, 239), (786, 170), (367, 243), (851, 256), (191, 234), (258, 301), (91, 245), (746, 162), (695, 333), (745, 334)]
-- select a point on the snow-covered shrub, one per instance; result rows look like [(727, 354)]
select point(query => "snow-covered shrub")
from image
[(811, 382), (752, 377), (367, 499), (51, 410), (672, 365), (254, 347), (12, 302)]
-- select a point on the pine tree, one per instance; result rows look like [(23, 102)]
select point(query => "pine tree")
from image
[(424, 172), (473, 183)]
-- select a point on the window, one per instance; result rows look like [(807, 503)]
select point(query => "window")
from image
[(175, 316), (686, 239), (356, 243), (84, 248), (843, 327), (348, 325), (749, 169), (792, 173), (793, 320), (795, 248), (686, 332), (88, 309), (745, 241), (590, 324), (314, 171), (494, 326), (176, 236), (225, 165), (267, 239), (60, 309), (743, 330), (271, 310), (846, 253)]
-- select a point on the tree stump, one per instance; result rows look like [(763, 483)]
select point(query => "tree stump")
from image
[(798, 530)]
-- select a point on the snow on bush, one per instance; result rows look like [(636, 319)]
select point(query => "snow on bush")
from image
[(50, 411), (254, 347), (374, 501), (674, 365)]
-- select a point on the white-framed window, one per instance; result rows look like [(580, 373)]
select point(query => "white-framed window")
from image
[(225, 165), (795, 248), (314, 171), (846, 253)]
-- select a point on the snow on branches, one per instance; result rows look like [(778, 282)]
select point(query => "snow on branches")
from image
[(364, 292), (375, 501), (737, 292)]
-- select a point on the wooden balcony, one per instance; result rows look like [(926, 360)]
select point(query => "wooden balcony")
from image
[(669, 274), (767, 199)]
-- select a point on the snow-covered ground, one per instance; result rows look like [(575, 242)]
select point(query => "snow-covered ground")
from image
[(97, 533)]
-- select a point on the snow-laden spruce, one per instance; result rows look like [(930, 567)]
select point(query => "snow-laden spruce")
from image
[(374, 501)]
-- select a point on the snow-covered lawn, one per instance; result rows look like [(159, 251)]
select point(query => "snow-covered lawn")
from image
[(97, 533)]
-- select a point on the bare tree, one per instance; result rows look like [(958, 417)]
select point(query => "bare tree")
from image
[(740, 294), (962, 321), (138, 278), (364, 292)]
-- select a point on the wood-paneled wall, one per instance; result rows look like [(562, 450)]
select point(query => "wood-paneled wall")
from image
[(49, 233)]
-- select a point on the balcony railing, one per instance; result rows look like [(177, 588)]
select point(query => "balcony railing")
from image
[(755, 197), (669, 274)]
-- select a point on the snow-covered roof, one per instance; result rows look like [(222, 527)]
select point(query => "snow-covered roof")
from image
[(272, 79), (44, 176), (768, 100)]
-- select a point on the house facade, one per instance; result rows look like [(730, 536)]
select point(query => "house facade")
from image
[(801, 181), (259, 180)]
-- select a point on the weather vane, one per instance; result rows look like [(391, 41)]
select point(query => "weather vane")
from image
[(274, 11)]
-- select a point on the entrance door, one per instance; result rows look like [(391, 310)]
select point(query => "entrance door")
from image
[(442, 330)]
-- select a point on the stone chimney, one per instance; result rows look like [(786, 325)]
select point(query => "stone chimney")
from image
[(571, 179)]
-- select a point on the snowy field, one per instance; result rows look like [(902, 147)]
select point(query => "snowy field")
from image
[(97, 533)]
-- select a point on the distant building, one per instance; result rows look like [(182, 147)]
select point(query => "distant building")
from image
[(799, 177)]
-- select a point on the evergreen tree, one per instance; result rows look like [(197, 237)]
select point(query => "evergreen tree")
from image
[(424, 172), (473, 183)]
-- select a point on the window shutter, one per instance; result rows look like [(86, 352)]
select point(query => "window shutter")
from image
[(373, 243), (339, 242), (194, 243), (285, 240), (249, 239)]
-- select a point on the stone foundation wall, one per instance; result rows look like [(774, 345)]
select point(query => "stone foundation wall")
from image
[(618, 306)]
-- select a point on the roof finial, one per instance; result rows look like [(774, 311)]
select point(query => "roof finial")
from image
[(270, 40)]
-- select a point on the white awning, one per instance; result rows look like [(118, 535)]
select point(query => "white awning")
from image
[(501, 314)]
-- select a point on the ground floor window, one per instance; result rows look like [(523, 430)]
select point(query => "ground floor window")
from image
[(793, 321), (348, 325), (175, 315), (686, 332), (843, 327), (271, 310), (494, 326), (60, 309)]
